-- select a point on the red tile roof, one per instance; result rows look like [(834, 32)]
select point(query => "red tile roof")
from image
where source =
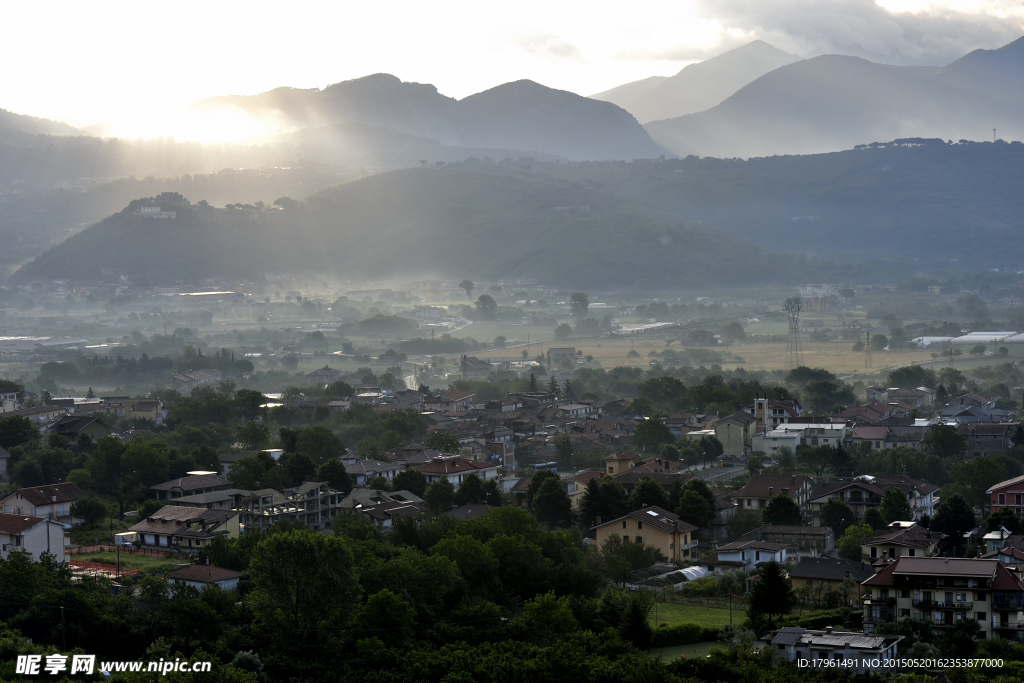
[(16, 524)]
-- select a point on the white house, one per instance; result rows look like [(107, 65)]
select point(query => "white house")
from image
[(745, 555), (808, 648), (34, 535), (202, 575)]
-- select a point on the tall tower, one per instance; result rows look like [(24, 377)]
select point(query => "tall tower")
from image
[(794, 352), (867, 350)]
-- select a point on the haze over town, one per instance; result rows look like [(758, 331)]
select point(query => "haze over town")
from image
[(583, 341)]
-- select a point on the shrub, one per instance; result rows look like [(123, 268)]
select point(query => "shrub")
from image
[(680, 634)]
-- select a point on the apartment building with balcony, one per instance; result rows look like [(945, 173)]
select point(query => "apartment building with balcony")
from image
[(946, 591)]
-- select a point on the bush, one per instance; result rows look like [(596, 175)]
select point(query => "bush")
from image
[(710, 634), (680, 634), (818, 620)]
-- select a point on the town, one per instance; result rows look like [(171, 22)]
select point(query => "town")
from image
[(868, 519)]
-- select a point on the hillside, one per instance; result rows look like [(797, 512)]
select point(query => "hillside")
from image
[(911, 201), (697, 86), (11, 123), (475, 220), (522, 115), (831, 103)]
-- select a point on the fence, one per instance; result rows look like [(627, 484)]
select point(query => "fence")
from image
[(127, 550), (83, 567)]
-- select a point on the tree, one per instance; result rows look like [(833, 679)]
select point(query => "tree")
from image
[(563, 332), (302, 582), (755, 463), (549, 615), (815, 458), (1004, 518), (743, 522), (333, 472), (492, 493), (896, 507), (90, 510), (564, 451), (413, 481), (944, 441), (772, 594), (850, 543), (320, 444), (874, 519), (387, 616), (446, 442), (636, 622), (286, 203), (975, 477), (253, 436), (648, 492), (551, 503), (652, 434), (879, 342), (694, 509), (17, 431), (471, 490), (838, 516), (603, 498), (486, 306), (468, 286), (579, 303), (953, 517), (248, 473), (821, 397), (781, 509), (440, 496)]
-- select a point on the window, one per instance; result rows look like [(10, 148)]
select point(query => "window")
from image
[(639, 525), (1016, 499), (1002, 499), (904, 593), (981, 616), (623, 524), (810, 583), (904, 612), (874, 553), (912, 552), (639, 539), (979, 597)]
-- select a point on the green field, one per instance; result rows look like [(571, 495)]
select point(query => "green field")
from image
[(708, 617), (667, 654), (148, 564)]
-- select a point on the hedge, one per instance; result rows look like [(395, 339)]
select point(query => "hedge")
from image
[(817, 620), (680, 634)]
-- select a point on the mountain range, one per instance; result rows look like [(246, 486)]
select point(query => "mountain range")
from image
[(925, 204), (833, 102), (521, 115), (698, 86)]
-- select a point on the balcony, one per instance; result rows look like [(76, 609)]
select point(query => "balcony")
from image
[(1007, 607), (868, 600), (942, 604), (1009, 626)]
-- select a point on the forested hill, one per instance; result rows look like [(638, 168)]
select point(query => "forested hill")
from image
[(481, 220)]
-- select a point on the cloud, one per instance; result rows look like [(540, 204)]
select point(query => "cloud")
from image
[(930, 35), (550, 48), (691, 52)]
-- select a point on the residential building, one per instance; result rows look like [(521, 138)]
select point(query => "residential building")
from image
[(324, 375), (987, 440), (228, 499), (471, 366), (202, 575), (760, 488), (456, 470), (147, 409), (313, 503), (453, 401), (652, 526), (900, 539), (74, 426), (186, 529), (872, 654), (801, 541), (187, 381), (745, 555), (770, 413), (859, 494), (829, 573), (52, 501), (385, 512), (33, 535), (189, 486), (734, 432), (363, 470), (1007, 494), (40, 415), (945, 591), (920, 494), (558, 355), (617, 463), (8, 401)]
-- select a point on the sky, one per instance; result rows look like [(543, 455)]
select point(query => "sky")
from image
[(136, 66)]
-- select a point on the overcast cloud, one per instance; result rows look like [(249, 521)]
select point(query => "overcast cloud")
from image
[(934, 35)]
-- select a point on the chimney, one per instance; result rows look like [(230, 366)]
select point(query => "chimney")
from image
[(828, 629), (770, 489)]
